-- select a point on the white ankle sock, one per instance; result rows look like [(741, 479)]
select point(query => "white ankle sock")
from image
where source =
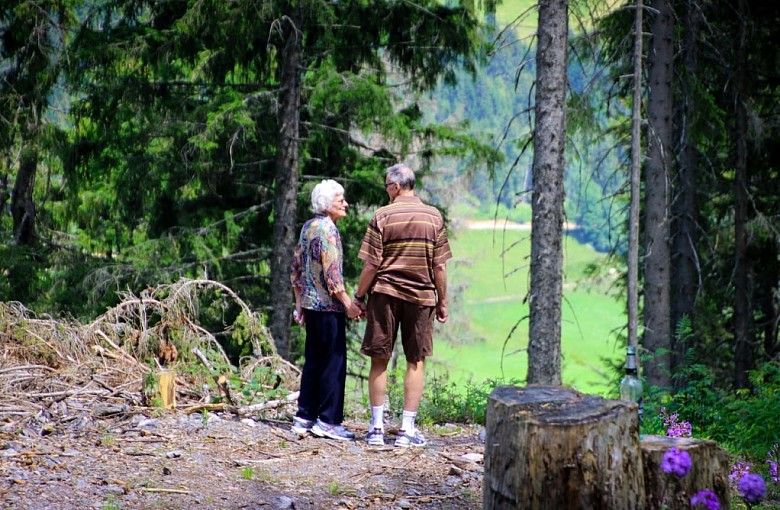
[(376, 417), (407, 422)]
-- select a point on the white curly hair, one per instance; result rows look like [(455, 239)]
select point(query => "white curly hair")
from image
[(323, 195)]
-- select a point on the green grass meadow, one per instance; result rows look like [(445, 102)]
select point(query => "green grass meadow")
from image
[(488, 281)]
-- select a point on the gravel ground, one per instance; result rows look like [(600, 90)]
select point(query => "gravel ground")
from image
[(171, 460)]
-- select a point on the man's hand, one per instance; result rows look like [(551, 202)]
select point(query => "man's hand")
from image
[(354, 311), (361, 305), (441, 312)]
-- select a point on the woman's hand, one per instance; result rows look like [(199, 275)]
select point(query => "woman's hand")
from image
[(298, 315), (354, 311)]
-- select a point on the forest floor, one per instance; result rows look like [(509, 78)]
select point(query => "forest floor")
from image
[(174, 460), (80, 429)]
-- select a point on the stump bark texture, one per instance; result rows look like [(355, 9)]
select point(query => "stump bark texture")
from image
[(549, 447), (709, 471)]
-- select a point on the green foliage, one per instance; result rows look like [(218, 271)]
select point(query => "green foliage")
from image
[(111, 504), (445, 401), (743, 421), (491, 266)]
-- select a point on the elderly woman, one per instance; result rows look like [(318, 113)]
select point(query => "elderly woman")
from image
[(321, 302)]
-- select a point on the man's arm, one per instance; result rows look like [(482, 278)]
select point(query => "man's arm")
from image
[(353, 310), (367, 276), (440, 282)]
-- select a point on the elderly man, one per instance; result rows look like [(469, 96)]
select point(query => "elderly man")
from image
[(404, 255)]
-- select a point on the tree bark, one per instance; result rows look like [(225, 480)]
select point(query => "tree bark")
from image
[(4, 194), (710, 467), (22, 204), (286, 185), (685, 271), (549, 447), (544, 344), (632, 301), (743, 353), (657, 328)]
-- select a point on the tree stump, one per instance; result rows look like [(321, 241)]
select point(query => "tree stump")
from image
[(709, 471), (166, 388), (549, 447)]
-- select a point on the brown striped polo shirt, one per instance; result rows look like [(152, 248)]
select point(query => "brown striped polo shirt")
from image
[(406, 239)]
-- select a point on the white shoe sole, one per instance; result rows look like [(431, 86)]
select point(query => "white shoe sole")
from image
[(377, 439), (402, 443), (323, 433)]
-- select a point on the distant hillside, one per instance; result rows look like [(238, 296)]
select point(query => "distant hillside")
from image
[(488, 278)]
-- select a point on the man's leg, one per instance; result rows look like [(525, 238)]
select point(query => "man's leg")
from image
[(413, 389), (377, 386), (377, 381), (414, 382)]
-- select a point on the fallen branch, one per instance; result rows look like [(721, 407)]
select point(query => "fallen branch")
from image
[(271, 404), (206, 407), (243, 410), (169, 491), (26, 367)]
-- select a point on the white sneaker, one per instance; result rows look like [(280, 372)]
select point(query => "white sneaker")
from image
[(375, 437), (301, 426), (338, 432), (412, 439)]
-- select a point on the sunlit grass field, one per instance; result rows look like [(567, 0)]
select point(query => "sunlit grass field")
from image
[(491, 289)]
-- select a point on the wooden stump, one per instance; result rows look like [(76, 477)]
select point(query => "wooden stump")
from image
[(166, 388), (709, 471), (549, 447)]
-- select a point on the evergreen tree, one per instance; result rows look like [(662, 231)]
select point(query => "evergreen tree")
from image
[(199, 120), (546, 289)]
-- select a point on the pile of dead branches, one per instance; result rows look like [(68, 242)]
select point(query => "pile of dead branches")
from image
[(60, 368)]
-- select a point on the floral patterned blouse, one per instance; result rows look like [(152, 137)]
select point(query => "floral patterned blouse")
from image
[(318, 267)]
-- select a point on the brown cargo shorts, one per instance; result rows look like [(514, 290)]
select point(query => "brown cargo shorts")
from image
[(384, 315)]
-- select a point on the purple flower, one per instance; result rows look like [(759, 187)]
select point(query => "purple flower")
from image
[(772, 457), (752, 488), (706, 498), (681, 429), (773, 471), (738, 470), (676, 462), (675, 428)]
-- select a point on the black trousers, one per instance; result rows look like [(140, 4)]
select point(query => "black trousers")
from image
[(325, 367)]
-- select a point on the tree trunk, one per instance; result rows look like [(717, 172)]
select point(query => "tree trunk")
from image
[(22, 205), (685, 273), (743, 354), (549, 447), (710, 468), (544, 345), (636, 167), (4, 194), (767, 300), (286, 186), (657, 330)]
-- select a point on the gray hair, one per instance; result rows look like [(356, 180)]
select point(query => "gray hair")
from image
[(323, 195), (402, 174)]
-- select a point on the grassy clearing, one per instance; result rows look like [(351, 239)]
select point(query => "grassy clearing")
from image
[(493, 301)]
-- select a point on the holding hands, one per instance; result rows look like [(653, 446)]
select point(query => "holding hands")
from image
[(355, 311), (359, 303)]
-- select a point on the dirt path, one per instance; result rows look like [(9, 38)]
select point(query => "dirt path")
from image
[(179, 461)]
